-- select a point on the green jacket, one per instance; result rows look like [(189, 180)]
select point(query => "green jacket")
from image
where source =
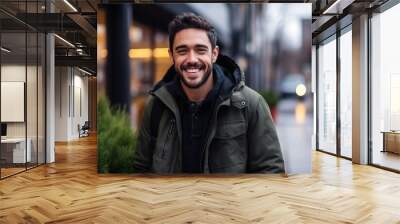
[(242, 136)]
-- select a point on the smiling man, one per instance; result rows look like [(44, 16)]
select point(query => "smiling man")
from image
[(201, 117)]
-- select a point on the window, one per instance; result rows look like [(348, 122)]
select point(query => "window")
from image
[(346, 93), (385, 88), (22, 87), (327, 96)]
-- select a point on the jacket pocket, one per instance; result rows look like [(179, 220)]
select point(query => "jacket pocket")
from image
[(230, 130), (229, 146)]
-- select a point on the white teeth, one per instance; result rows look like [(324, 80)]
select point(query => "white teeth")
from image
[(192, 70)]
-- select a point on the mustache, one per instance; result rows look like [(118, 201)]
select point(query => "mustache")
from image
[(189, 65)]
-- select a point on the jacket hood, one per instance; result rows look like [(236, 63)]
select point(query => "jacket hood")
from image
[(233, 76)]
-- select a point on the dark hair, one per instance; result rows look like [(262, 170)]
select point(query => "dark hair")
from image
[(190, 20)]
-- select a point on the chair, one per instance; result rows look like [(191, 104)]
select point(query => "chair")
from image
[(84, 130)]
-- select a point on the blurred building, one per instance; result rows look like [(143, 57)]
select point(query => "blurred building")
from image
[(255, 35)]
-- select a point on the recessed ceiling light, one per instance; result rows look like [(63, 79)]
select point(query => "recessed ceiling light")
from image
[(5, 50), (71, 6), (84, 71), (337, 7), (64, 40)]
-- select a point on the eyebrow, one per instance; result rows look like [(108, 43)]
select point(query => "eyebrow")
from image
[(201, 46), (179, 47)]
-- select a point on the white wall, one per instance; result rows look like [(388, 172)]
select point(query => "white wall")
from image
[(62, 81), (71, 94), (12, 73)]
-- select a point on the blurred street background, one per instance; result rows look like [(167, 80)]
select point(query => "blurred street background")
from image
[(270, 42)]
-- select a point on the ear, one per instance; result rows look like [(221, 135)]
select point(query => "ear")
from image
[(214, 54), (171, 56)]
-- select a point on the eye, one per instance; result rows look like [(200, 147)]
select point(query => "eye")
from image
[(181, 51), (202, 51)]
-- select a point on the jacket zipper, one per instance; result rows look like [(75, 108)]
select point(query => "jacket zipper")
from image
[(208, 139), (170, 132)]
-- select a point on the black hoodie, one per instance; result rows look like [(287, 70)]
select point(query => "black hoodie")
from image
[(196, 116)]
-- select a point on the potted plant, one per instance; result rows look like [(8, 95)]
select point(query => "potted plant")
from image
[(116, 142), (272, 99)]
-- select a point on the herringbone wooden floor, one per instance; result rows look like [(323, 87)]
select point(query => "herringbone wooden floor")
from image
[(71, 191)]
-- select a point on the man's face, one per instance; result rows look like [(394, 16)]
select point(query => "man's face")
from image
[(193, 56)]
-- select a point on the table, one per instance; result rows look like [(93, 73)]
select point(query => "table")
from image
[(15, 148), (391, 141)]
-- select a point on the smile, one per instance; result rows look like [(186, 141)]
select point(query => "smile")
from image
[(192, 70)]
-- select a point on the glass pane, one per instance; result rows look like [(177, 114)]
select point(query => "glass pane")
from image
[(41, 99), (31, 97), (14, 153), (386, 89), (327, 97), (31, 84), (346, 94)]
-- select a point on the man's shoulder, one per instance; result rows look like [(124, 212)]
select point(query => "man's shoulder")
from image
[(150, 98), (250, 95)]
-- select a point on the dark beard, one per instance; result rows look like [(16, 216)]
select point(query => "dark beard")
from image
[(203, 80)]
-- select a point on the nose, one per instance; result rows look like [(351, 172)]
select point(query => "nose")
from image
[(192, 58)]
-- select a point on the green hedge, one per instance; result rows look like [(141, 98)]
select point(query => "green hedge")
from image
[(116, 142), (270, 97)]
